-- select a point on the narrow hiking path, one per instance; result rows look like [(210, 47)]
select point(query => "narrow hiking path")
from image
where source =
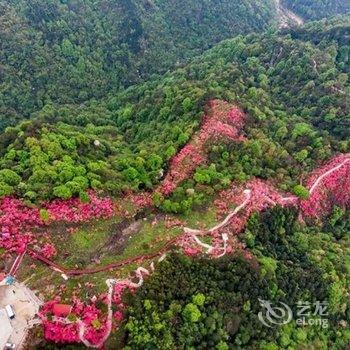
[(82, 329), (116, 287), (286, 17), (192, 232)]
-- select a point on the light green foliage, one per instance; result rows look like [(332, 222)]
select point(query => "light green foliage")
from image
[(44, 215), (9, 177), (198, 299), (62, 191), (269, 265), (222, 346), (301, 191), (191, 313), (5, 189), (301, 129)]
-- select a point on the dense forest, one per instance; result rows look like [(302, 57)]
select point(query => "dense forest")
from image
[(75, 51), (213, 304), (72, 51), (293, 87), (316, 9)]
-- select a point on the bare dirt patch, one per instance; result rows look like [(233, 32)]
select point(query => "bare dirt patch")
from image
[(25, 304)]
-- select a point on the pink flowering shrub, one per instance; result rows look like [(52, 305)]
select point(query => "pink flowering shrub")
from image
[(140, 200), (18, 222), (181, 167), (172, 222), (329, 185), (223, 121), (48, 250), (73, 210), (66, 330), (53, 329)]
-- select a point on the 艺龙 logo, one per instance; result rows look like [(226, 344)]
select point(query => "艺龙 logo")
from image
[(307, 313), (274, 315)]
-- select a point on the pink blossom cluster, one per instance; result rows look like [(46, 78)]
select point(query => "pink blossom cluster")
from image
[(181, 167), (215, 130), (329, 185), (54, 331), (189, 248), (73, 210), (119, 289), (48, 250), (66, 330), (221, 121), (172, 222), (18, 221), (140, 200)]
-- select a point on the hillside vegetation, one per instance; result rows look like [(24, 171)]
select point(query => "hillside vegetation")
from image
[(72, 51), (294, 88), (169, 168), (316, 9), (75, 51), (212, 304)]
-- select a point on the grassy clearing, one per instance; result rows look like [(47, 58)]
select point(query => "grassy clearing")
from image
[(201, 219), (76, 249), (149, 239)]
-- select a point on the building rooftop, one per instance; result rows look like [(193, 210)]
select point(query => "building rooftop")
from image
[(61, 310)]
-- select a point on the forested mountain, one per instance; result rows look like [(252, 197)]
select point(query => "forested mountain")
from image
[(72, 51), (205, 143), (288, 83), (316, 9)]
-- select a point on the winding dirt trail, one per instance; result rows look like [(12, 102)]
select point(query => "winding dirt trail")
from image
[(82, 329), (321, 177), (247, 194), (248, 197)]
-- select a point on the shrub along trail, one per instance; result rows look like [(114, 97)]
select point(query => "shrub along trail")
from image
[(256, 196), (328, 185)]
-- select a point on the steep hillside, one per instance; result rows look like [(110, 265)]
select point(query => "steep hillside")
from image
[(317, 9), (259, 229), (181, 212), (289, 87), (72, 51)]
